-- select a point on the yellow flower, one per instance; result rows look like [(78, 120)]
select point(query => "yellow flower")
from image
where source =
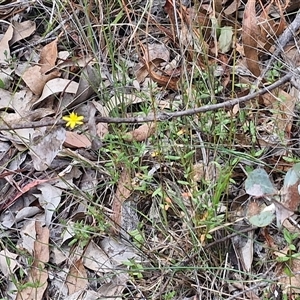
[(73, 119)]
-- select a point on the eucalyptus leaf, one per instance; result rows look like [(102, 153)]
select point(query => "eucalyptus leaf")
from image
[(292, 176), (225, 39), (264, 218), (258, 184), (290, 192)]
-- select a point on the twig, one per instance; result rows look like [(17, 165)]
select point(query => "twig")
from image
[(163, 116)]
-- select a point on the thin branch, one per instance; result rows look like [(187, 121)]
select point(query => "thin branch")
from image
[(162, 116)]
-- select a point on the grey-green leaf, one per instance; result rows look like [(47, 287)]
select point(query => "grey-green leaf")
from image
[(258, 184)]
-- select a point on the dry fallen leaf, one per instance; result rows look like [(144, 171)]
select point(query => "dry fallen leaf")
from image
[(141, 133), (57, 85), (269, 29), (118, 250), (96, 259), (74, 140), (243, 246), (249, 36), (232, 7), (45, 146), (8, 262), (38, 275), (22, 191), (35, 77), (282, 105), (22, 30), (4, 45), (170, 82), (49, 199), (77, 277), (122, 193), (48, 56), (202, 172)]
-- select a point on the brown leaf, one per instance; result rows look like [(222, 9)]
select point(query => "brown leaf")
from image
[(165, 81), (286, 113), (122, 193), (141, 133), (48, 56), (38, 275), (157, 51), (291, 55), (41, 246), (169, 9), (151, 66), (35, 76), (35, 80), (249, 36), (77, 277), (75, 140)]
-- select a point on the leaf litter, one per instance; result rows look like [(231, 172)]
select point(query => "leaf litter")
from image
[(80, 219)]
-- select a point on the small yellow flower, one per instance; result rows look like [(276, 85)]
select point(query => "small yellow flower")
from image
[(73, 119)]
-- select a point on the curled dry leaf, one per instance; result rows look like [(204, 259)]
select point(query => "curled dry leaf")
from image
[(153, 52), (163, 80), (57, 85), (141, 133), (232, 7)]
